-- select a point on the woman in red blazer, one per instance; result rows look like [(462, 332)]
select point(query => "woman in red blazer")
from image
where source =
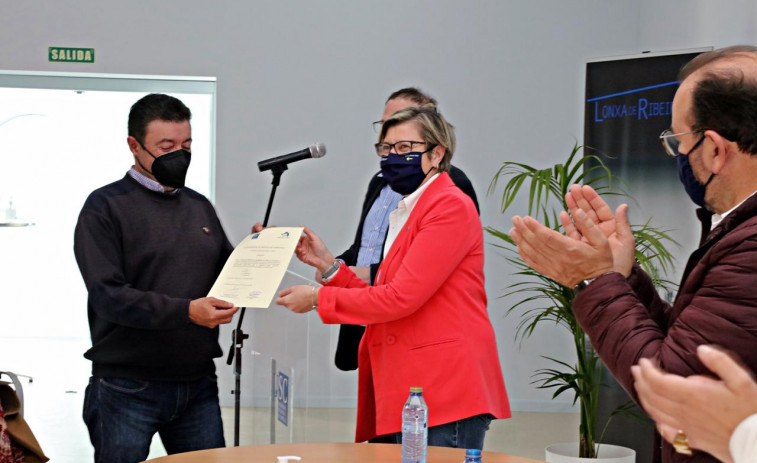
[(426, 317)]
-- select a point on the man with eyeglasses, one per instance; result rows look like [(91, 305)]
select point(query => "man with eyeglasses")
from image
[(713, 136), (380, 200)]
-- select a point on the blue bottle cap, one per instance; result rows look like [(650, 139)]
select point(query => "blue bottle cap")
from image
[(473, 453)]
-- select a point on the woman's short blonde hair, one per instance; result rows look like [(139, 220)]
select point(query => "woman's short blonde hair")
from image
[(434, 129)]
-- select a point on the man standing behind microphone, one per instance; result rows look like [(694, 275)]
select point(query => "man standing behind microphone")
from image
[(149, 250)]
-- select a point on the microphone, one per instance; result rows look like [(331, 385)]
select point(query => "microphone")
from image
[(317, 150)]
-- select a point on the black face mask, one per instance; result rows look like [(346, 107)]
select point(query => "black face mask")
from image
[(171, 168), (692, 186)]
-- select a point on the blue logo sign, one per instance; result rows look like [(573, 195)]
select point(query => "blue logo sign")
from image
[(282, 397), (639, 108)]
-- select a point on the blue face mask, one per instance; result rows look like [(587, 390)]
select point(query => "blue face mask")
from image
[(404, 172), (693, 188)]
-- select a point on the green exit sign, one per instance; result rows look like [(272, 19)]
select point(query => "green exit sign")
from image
[(71, 55)]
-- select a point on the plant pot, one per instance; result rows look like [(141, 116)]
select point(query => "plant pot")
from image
[(568, 453)]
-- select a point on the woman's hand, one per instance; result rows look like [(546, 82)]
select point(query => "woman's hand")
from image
[(313, 252), (364, 273), (299, 299)]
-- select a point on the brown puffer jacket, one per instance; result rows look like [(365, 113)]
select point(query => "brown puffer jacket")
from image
[(716, 304)]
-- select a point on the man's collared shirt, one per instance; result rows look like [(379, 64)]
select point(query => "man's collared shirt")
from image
[(375, 226), (149, 183), (717, 218), (398, 217)]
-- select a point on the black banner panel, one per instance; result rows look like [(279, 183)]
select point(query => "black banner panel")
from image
[(627, 105)]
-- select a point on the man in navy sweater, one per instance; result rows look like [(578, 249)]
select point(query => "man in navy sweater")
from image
[(149, 250)]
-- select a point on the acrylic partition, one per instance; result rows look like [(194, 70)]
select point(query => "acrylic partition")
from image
[(290, 375)]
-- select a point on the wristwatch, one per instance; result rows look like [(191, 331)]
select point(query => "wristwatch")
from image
[(582, 284), (329, 272)]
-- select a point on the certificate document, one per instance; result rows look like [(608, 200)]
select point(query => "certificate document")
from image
[(255, 269)]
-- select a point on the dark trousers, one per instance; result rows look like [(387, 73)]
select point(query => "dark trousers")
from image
[(467, 433), (122, 416)]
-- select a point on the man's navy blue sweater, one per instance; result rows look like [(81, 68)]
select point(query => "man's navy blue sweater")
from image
[(143, 256)]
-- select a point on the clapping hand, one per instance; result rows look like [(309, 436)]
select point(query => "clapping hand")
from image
[(615, 227), (706, 409), (595, 241)]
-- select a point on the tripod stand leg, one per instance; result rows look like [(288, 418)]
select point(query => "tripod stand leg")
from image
[(237, 388), (237, 336)]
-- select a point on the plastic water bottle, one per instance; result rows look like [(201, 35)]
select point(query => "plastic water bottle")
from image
[(414, 427), (472, 456)]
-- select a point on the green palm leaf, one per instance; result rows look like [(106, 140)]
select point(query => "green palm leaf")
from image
[(543, 300)]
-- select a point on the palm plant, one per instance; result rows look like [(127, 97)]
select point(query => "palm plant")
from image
[(543, 299)]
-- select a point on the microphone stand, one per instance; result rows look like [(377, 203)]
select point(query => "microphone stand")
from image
[(238, 336)]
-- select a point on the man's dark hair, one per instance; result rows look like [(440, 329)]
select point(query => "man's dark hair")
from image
[(725, 101), (152, 107), (724, 97), (413, 94)]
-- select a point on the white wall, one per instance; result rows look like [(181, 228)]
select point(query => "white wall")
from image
[(508, 74), (697, 23)]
